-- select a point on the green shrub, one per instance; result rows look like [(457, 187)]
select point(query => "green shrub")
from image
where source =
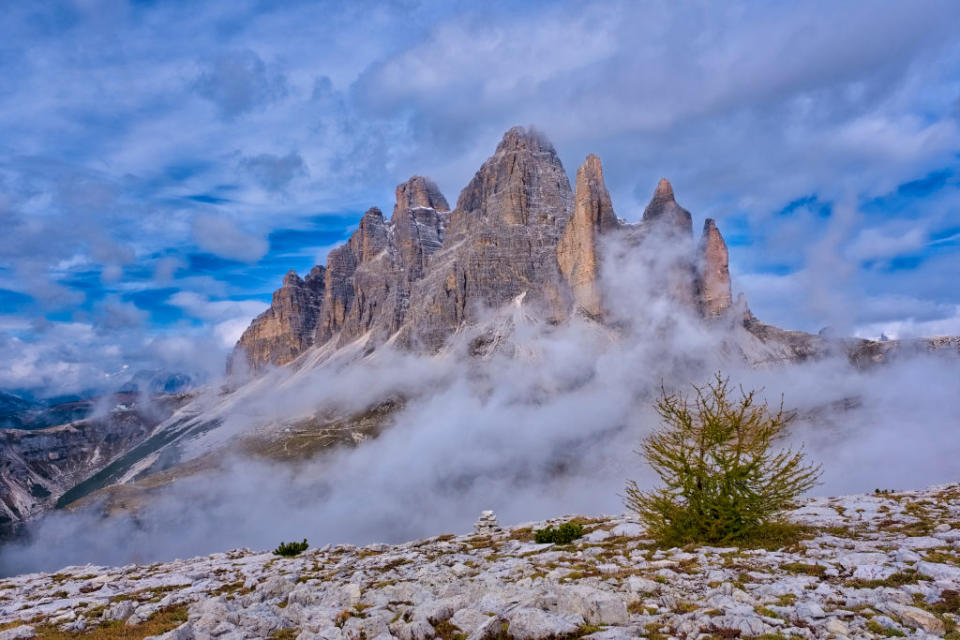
[(723, 481), (567, 532), (288, 549)]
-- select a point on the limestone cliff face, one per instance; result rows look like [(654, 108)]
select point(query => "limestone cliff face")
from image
[(518, 232), (713, 272), (287, 328), (418, 218), (501, 242), (359, 277), (578, 254)]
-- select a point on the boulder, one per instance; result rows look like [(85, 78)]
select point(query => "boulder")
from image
[(536, 624)]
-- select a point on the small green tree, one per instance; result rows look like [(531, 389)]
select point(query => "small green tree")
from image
[(723, 480), (289, 549)]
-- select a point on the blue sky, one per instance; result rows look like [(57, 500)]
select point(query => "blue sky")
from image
[(163, 164)]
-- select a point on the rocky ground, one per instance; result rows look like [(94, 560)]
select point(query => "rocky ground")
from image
[(873, 566)]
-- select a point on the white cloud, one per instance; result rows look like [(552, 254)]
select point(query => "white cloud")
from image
[(202, 307), (873, 243), (229, 317), (911, 327), (223, 237)]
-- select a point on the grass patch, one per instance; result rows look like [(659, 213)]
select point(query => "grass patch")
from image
[(446, 630), (909, 576), (522, 535), (586, 629), (876, 627), (162, 621), (685, 607), (787, 599), (815, 570)]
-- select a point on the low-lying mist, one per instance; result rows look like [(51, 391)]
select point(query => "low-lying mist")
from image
[(544, 426)]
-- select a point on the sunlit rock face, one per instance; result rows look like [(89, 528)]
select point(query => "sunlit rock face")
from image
[(518, 232), (713, 272), (287, 328), (578, 253)]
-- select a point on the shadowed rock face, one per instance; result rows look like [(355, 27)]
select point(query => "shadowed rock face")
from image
[(518, 232), (359, 275), (577, 254), (419, 218), (713, 271), (664, 210), (666, 231)]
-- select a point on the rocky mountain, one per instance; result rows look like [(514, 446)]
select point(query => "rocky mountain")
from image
[(37, 466), (20, 413), (518, 229), (871, 566)]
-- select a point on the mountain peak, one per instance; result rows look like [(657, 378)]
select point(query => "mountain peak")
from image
[(373, 214), (291, 279), (577, 252), (525, 138), (713, 271), (663, 208), (419, 191), (664, 190), (316, 274)]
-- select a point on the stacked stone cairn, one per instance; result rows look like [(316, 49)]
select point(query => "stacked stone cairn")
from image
[(487, 524)]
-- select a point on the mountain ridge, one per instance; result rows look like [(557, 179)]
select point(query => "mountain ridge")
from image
[(518, 228)]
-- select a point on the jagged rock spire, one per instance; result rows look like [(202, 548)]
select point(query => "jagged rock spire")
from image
[(577, 253), (371, 236), (522, 183), (368, 242), (664, 213), (287, 328), (713, 271), (418, 220), (419, 192)]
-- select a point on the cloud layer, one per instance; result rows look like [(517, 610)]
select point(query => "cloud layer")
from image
[(545, 426)]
